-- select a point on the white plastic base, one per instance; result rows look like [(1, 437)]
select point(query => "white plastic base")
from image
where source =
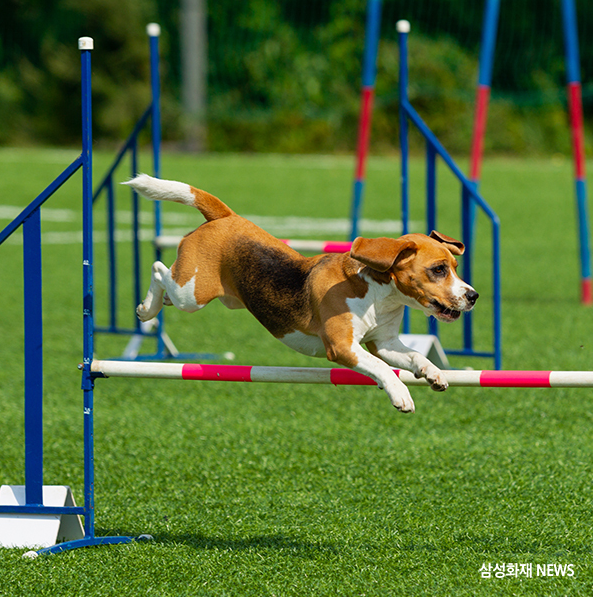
[(429, 346), (38, 530)]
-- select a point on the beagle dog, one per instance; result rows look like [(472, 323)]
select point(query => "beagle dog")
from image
[(323, 306)]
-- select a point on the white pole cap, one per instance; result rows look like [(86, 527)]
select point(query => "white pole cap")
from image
[(153, 29), (403, 26), (85, 43)]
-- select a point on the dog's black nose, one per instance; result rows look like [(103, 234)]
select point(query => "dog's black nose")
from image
[(471, 296)]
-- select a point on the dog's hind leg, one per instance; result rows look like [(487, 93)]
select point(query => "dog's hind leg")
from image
[(153, 302), (164, 289)]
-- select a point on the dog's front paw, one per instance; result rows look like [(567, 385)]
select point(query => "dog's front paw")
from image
[(142, 313), (400, 398), (435, 377)]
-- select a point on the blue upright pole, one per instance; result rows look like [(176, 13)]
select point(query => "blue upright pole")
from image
[(33, 359), (154, 32), (431, 210), (85, 44), (403, 28)]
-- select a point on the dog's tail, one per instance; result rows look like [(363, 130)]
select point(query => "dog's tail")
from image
[(168, 190)]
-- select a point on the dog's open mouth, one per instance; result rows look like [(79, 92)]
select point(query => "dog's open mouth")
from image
[(444, 313)]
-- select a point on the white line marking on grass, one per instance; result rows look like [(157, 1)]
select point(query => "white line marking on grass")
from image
[(48, 214)]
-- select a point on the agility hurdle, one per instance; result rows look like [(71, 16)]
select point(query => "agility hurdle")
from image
[(470, 201), (337, 376), (34, 514)]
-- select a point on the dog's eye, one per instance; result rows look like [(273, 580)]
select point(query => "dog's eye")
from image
[(439, 271)]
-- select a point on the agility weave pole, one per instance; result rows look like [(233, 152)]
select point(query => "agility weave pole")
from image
[(575, 110), (337, 376)]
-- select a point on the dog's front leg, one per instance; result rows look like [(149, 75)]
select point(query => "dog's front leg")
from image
[(358, 359), (394, 353)]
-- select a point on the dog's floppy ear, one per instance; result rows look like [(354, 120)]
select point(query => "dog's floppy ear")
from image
[(382, 253), (456, 247)]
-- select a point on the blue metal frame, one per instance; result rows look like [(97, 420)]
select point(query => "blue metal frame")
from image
[(107, 186), (470, 197), (30, 220)]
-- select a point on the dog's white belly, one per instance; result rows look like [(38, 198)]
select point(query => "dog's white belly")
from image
[(312, 346)]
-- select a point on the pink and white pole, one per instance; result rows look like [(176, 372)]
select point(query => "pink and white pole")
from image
[(336, 376)]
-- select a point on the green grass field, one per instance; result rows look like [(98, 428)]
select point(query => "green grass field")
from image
[(280, 490)]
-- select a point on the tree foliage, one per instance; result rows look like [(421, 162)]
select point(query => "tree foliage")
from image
[(285, 75)]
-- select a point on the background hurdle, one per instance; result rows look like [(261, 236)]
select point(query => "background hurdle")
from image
[(165, 348), (470, 200)]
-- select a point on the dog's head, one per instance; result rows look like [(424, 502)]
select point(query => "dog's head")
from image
[(423, 268)]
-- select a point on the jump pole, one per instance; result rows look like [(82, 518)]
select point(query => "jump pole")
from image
[(337, 376)]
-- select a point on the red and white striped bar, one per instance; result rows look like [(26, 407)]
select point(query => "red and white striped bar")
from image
[(347, 377), (316, 246), (319, 246)]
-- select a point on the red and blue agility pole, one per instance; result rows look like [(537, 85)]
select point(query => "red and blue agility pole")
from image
[(369, 75), (575, 107), (488, 43), (487, 46), (337, 376)]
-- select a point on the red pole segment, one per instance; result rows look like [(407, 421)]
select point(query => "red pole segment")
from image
[(481, 116)]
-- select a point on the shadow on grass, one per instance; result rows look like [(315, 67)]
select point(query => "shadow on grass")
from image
[(282, 543)]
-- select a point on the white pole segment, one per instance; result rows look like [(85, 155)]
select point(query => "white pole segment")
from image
[(137, 369), (571, 379)]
